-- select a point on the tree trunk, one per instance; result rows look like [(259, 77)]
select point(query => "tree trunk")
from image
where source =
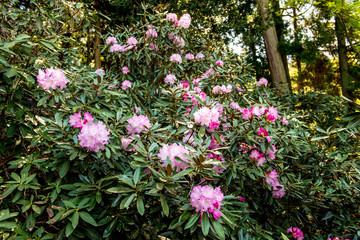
[(345, 77), (97, 44), (297, 57), (277, 67)]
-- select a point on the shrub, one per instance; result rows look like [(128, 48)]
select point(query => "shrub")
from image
[(173, 139)]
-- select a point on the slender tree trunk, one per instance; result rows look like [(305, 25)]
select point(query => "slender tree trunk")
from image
[(277, 68), (279, 27), (345, 77), (97, 44)]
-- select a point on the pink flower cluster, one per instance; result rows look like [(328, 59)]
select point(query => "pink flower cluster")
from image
[(170, 78), (137, 124), (200, 56), (184, 21), (100, 71), (125, 70), (296, 233), (176, 58), (222, 89), (189, 56), (151, 32), (271, 114), (178, 41), (52, 78), (131, 41), (172, 151), (258, 157), (235, 106), (262, 81), (111, 40), (93, 136), (207, 199), (76, 121), (264, 133), (208, 117), (220, 63), (278, 189), (125, 85), (171, 17)]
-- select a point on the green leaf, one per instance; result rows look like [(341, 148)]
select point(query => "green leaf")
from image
[(109, 228), (202, 131), (218, 229), (125, 203), (125, 179), (75, 219), (42, 100), (164, 205), (192, 220), (8, 191), (205, 224), (88, 218), (64, 168), (22, 36), (140, 205), (11, 131), (284, 236), (7, 225), (11, 72), (137, 176), (120, 190), (69, 229)]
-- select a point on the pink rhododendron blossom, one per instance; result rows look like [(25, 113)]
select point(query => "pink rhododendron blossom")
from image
[(284, 121), (184, 85), (52, 78), (125, 70), (296, 233), (216, 89), (184, 21), (246, 114), (125, 85), (154, 47), (262, 81), (271, 153), (200, 56), (271, 177), (258, 157), (94, 136), (172, 151), (132, 41), (111, 40), (75, 120), (216, 214), (189, 56), (175, 58), (278, 191), (206, 199), (205, 116), (151, 33), (220, 63), (170, 78), (117, 48), (214, 125), (126, 141), (262, 132), (100, 71), (171, 17), (137, 124), (242, 199), (338, 239)]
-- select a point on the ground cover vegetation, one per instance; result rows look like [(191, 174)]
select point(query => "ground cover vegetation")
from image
[(166, 134)]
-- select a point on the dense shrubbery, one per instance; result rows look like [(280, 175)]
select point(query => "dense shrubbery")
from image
[(173, 139)]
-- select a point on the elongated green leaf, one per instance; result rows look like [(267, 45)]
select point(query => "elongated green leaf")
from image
[(192, 220), (205, 224), (140, 205), (88, 218), (218, 229), (164, 205)]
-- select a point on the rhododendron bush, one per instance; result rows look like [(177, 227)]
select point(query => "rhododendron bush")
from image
[(172, 137)]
